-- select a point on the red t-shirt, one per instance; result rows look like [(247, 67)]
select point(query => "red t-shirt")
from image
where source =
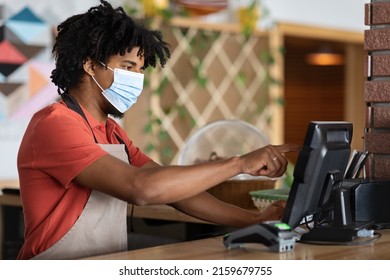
[(58, 144)]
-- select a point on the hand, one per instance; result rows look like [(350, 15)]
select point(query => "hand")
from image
[(274, 211), (267, 161)]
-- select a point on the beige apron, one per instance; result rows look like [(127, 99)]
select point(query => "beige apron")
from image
[(101, 227)]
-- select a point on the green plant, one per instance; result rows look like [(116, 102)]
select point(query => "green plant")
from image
[(248, 17)]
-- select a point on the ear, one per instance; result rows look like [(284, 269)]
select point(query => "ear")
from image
[(89, 67)]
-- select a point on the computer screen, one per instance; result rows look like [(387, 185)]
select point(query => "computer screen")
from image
[(326, 149)]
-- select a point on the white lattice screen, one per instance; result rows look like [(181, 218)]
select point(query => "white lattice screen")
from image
[(214, 73)]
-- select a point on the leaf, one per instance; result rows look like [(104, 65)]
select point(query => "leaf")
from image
[(161, 87), (241, 79), (280, 101), (163, 135), (150, 147), (148, 128), (167, 152)]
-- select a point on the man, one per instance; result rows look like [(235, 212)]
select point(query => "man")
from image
[(78, 169)]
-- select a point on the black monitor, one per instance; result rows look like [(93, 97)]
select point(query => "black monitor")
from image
[(325, 152)]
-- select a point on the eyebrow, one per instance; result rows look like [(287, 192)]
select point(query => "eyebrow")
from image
[(129, 62)]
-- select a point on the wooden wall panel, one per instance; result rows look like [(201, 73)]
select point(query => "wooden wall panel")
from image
[(312, 93)]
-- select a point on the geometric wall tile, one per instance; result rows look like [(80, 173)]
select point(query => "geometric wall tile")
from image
[(26, 15), (18, 98), (20, 75), (43, 36), (29, 28), (3, 107), (2, 35), (44, 68), (8, 88), (28, 51), (26, 63), (11, 36), (36, 80), (6, 68), (30, 33), (27, 38), (45, 96), (9, 54)]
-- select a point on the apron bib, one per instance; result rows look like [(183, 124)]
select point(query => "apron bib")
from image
[(101, 227)]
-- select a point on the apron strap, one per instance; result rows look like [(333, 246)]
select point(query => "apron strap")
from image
[(123, 142), (75, 106)]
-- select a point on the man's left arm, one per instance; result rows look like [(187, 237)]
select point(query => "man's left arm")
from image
[(206, 207)]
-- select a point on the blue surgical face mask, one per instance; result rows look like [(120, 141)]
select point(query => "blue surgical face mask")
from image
[(125, 89)]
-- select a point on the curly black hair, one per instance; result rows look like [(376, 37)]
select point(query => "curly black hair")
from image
[(98, 34)]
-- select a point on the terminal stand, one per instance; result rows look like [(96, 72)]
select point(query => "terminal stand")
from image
[(341, 228)]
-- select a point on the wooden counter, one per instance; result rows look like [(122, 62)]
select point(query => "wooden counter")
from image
[(213, 249), (10, 200)]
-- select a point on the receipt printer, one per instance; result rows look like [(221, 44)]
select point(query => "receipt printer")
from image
[(370, 201)]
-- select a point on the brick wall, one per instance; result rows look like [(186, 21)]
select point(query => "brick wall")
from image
[(377, 89)]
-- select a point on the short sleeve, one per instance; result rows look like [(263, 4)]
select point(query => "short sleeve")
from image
[(63, 145)]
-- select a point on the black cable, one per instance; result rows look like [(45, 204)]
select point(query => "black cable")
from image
[(307, 224)]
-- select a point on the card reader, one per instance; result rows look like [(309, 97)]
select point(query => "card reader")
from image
[(276, 235)]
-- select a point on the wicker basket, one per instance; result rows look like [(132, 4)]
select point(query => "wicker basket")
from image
[(236, 192), (262, 198)]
